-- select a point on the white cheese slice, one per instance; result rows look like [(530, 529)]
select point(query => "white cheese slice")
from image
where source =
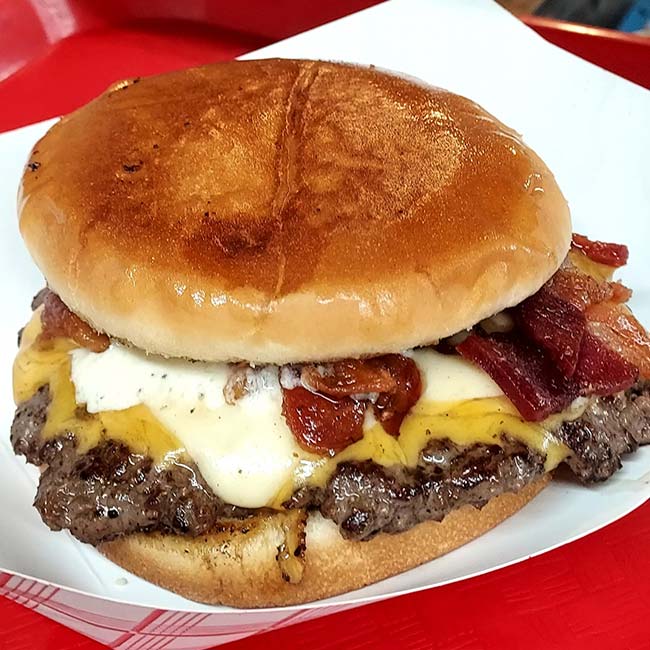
[(450, 378), (245, 452)]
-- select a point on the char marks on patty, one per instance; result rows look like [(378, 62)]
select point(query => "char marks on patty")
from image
[(110, 491), (610, 427), (364, 498)]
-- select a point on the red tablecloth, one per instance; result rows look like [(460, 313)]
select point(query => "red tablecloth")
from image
[(589, 594)]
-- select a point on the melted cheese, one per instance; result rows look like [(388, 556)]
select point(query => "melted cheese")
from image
[(450, 378), (598, 271), (136, 427), (478, 421), (172, 409)]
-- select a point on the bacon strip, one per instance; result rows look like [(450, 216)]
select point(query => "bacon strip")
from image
[(322, 424), (556, 325), (532, 382), (619, 330), (600, 370), (577, 288), (326, 413), (348, 377), (573, 302), (589, 344), (395, 380), (527, 377), (602, 252), (58, 321), (391, 407), (620, 293)]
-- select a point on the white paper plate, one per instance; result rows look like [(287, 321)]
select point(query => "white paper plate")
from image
[(590, 127)]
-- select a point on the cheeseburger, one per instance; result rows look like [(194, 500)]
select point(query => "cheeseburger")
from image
[(308, 325)]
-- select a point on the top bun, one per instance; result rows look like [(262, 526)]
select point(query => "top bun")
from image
[(286, 210)]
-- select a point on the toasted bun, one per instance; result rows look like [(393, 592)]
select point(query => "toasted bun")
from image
[(285, 210), (238, 566)]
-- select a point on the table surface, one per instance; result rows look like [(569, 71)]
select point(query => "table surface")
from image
[(592, 593)]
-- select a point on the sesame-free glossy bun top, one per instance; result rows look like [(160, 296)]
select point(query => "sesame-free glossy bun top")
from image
[(287, 210)]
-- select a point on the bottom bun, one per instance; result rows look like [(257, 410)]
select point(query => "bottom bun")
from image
[(237, 565)]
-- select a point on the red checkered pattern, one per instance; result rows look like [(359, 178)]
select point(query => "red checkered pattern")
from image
[(131, 627)]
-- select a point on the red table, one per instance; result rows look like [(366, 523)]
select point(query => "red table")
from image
[(593, 593)]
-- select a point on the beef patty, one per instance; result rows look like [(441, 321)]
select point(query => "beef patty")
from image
[(110, 491)]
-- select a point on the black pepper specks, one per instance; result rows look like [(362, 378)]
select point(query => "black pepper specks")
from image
[(186, 123), (133, 167), (33, 166)]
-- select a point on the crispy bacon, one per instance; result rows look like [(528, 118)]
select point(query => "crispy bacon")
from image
[(620, 293), (589, 341), (602, 252), (393, 378), (618, 329), (326, 412), (348, 377), (556, 325), (58, 321), (577, 288), (524, 373), (391, 407), (600, 370), (607, 317), (322, 424), (532, 382)]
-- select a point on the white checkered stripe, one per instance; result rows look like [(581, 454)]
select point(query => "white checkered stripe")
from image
[(128, 627)]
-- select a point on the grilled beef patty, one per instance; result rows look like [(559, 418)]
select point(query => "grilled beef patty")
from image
[(364, 498), (110, 491), (612, 426)]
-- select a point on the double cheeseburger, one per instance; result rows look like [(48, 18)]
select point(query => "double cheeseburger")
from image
[(308, 325)]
